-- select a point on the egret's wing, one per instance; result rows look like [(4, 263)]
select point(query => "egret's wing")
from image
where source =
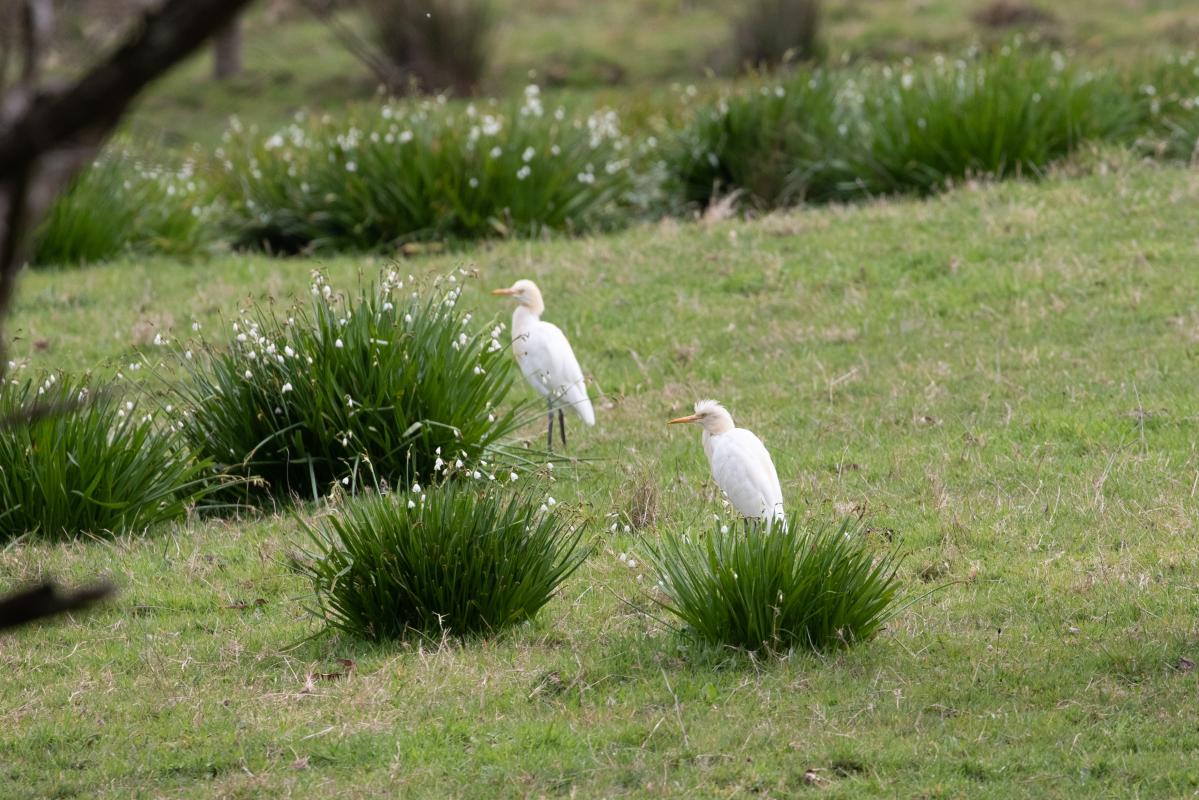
[(745, 472), (550, 365)]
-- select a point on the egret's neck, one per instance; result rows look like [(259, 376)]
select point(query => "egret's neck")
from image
[(716, 424), (523, 318)]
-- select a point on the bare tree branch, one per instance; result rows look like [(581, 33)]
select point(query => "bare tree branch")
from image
[(45, 600), (48, 135)]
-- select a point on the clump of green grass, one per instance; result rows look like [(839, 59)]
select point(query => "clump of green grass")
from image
[(438, 45), (776, 587), (385, 386), (94, 464), (1169, 99), (119, 204), (846, 135), (387, 175), (1010, 114), (457, 559), (779, 145)]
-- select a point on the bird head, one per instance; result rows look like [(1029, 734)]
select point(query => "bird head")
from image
[(711, 415), (526, 293)]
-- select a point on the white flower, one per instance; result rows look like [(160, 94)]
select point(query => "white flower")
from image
[(405, 137), (512, 476), (249, 374), (528, 154), (632, 563), (411, 504), (496, 152), (339, 344), (287, 349), (351, 166), (523, 172), (416, 488), (551, 501), (724, 528), (345, 481), (286, 388), (473, 183), (241, 337)]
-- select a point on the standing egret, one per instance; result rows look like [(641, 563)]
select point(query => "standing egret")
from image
[(740, 464), (545, 357)]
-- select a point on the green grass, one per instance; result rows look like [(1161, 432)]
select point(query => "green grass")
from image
[(1002, 377)]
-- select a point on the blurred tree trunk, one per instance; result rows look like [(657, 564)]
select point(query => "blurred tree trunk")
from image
[(226, 62), (37, 24)]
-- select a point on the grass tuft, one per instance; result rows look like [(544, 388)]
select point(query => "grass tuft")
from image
[(120, 205), (397, 173), (389, 385), (100, 466), (776, 588), (851, 134), (456, 559)]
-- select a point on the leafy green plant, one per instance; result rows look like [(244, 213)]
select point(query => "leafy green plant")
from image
[(460, 558), (1008, 114), (779, 145), (118, 205), (777, 587), (439, 45), (850, 134), (98, 466), (381, 177), (390, 385)]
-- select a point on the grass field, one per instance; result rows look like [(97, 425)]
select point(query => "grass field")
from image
[(1001, 377)]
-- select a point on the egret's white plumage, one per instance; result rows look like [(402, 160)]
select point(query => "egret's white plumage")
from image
[(545, 356), (740, 464)]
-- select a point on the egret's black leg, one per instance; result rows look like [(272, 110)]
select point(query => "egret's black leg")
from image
[(562, 426), (549, 437)]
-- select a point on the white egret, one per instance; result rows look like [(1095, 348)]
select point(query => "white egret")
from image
[(546, 359), (740, 464)]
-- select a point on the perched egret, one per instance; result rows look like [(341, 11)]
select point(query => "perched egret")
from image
[(545, 357), (740, 464)]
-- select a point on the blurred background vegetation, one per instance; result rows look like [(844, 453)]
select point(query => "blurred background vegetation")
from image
[(622, 52)]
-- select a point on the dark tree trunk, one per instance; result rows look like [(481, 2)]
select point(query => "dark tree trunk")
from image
[(226, 61)]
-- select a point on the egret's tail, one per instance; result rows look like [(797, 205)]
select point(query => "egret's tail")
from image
[(576, 397)]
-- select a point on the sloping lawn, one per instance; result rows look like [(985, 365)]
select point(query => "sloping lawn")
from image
[(1003, 378)]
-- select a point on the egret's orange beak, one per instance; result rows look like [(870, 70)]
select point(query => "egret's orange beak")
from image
[(502, 291), (690, 418)]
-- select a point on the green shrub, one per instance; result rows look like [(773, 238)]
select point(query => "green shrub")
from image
[(1004, 115), (102, 467), (1169, 98), (380, 177), (773, 32), (777, 588), (460, 558), (119, 205), (820, 136), (439, 45), (779, 144), (388, 386)]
